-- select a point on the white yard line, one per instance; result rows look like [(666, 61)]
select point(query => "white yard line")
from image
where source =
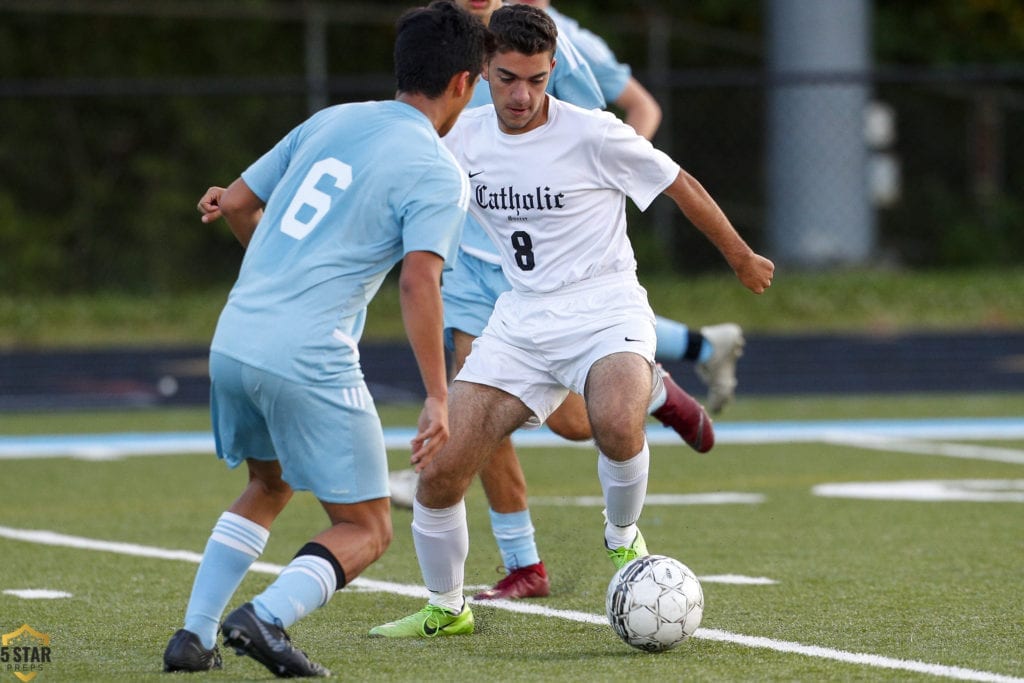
[(949, 450), (861, 659)]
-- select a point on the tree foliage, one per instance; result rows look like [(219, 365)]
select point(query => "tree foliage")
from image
[(114, 122)]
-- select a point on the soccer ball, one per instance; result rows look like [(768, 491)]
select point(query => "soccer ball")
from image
[(654, 603)]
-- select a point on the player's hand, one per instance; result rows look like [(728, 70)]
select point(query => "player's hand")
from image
[(432, 432), (755, 272), (209, 204)]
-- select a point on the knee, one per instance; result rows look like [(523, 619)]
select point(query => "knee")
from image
[(380, 534), (271, 488), (439, 490), (619, 438)]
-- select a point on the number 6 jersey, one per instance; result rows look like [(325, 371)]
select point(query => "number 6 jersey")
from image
[(347, 193), (553, 199)]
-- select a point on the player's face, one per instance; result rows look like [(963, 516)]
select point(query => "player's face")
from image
[(481, 9), (517, 84)]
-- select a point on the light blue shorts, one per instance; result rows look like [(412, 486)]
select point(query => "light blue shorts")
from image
[(470, 291), (328, 439)]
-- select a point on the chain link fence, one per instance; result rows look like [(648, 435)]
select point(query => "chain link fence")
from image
[(100, 166)]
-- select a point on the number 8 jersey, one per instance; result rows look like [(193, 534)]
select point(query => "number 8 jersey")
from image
[(347, 194), (553, 199)]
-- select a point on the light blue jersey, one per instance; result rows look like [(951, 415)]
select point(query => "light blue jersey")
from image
[(611, 74), (571, 81), (347, 193)]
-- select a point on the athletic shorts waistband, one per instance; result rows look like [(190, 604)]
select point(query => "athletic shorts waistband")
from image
[(622, 278)]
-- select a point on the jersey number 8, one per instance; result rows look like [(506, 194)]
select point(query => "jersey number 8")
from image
[(522, 245)]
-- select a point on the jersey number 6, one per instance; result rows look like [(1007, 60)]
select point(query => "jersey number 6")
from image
[(308, 197)]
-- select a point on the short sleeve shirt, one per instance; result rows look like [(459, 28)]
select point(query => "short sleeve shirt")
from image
[(348, 193), (553, 199)]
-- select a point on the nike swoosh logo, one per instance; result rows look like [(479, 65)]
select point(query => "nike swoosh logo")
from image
[(632, 340), (474, 175), (428, 629)]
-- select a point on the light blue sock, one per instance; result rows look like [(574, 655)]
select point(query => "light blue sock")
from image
[(514, 533), (234, 545), (672, 339), (307, 583), (706, 349)]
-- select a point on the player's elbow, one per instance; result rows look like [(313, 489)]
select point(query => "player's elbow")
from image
[(420, 269)]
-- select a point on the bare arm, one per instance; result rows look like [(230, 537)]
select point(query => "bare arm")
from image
[(752, 269), (239, 206), (641, 110), (420, 294)]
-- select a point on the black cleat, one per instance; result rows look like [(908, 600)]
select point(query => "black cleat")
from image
[(268, 644), (185, 652)]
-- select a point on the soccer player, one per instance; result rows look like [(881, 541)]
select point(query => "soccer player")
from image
[(472, 289), (549, 184), (324, 215)]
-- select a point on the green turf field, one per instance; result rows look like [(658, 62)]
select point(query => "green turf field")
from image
[(932, 588)]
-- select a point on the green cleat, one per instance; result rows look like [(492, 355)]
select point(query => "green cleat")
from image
[(620, 557), (429, 622)]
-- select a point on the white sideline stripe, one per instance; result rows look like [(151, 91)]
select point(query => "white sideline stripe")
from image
[(950, 450), (877, 661), (738, 580), (36, 594), (719, 498), (111, 446)]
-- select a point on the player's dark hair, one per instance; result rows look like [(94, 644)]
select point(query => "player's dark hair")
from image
[(524, 29), (435, 43)]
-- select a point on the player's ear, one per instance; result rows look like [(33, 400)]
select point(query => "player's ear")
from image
[(460, 83)]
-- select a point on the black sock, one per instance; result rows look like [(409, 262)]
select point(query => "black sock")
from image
[(694, 342), (318, 550)]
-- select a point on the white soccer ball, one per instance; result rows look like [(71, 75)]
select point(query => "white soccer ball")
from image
[(654, 603)]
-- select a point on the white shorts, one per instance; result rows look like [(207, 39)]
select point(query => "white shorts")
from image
[(538, 346)]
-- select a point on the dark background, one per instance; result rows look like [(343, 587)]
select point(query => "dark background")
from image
[(774, 365)]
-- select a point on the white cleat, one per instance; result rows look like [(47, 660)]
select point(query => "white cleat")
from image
[(719, 371)]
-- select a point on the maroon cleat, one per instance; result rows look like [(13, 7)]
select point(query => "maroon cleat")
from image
[(686, 416), (526, 582)]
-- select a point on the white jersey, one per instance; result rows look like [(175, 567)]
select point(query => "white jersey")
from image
[(553, 200)]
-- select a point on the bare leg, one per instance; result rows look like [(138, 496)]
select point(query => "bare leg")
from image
[(501, 475), (359, 534), (618, 389), (480, 417), (570, 421), (265, 495), (618, 392)]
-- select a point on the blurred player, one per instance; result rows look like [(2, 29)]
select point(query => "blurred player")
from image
[(549, 184), (324, 215)]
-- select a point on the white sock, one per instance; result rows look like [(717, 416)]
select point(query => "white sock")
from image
[(441, 538), (625, 487)]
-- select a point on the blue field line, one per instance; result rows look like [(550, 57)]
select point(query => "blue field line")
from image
[(112, 445)]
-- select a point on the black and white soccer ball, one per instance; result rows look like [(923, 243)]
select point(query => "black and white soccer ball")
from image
[(654, 603)]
